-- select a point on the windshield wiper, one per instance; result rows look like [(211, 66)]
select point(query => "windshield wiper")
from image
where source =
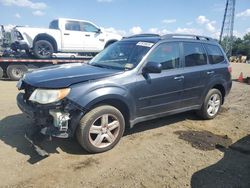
[(100, 65)]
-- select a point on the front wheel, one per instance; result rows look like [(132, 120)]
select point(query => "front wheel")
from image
[(211, 105), (43, 49), (101, 129)]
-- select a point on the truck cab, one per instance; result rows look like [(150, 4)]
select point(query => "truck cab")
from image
[(63, 35)]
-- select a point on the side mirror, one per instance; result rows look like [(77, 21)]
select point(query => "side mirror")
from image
[(152, 67), (98, 30)]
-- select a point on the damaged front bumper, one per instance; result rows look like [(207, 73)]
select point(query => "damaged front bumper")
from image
[(58, 120)]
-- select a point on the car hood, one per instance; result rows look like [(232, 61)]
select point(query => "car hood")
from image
[(62, 76)]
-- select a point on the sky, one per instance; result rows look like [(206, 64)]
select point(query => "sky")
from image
[(127, 17)]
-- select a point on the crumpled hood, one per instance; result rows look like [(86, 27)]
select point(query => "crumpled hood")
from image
[(62, 76)]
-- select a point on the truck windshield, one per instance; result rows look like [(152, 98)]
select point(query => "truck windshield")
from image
[(122, 55)]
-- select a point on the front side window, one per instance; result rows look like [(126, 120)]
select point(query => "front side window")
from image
[(215, 54), (122, 55), (87, 27), (73, 26), (167, 54), (194, 54)]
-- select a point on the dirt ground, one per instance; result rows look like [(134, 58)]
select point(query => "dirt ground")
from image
[(176, 151)]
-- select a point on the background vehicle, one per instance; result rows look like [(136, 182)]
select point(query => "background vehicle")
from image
[(136, 79), (63, 35), (15, 68)]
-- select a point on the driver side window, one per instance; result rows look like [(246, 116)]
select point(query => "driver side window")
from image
[(167, 54), (87, 27)]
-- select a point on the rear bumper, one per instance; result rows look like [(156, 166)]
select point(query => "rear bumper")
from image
[(228, 87)]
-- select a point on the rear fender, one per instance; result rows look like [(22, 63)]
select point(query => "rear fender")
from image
[(217, 80)]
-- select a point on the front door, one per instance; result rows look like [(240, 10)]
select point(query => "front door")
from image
[(94, 39), (160, 92)]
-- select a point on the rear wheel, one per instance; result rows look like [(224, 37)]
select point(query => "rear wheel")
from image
[(1, 72), (43, 49), (211, 105), (15, 72), (101, 129)]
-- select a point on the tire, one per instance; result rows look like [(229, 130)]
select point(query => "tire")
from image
[(211, 105), (100, 129), (1, 73), (15, 72), (43, 49)]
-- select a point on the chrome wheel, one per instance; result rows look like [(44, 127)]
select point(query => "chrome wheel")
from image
[(104, 131), (213, 104)]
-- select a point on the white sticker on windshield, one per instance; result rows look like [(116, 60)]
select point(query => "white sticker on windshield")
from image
[(145, 44)]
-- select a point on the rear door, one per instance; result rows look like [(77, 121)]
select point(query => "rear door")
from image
[(194, 72), (73, 37), (160, 92)]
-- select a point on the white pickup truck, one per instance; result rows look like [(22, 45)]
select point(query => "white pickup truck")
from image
[(63, 35)]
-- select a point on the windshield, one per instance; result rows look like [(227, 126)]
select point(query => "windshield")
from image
[(123, 55)]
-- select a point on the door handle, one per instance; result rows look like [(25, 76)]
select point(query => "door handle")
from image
[(210, 72), (179, 77), (66, 34), (87, 35)]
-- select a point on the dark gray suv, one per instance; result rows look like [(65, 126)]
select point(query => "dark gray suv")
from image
[(139, 78)]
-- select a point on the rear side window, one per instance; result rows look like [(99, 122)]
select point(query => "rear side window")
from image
[(215, 54), (194, 54), (168, 54), (53, 24)]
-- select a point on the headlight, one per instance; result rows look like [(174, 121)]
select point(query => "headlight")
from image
[(45, 96)]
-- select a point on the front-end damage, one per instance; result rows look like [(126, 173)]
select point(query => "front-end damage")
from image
[(59, 119)]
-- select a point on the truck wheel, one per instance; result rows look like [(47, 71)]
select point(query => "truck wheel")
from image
[(1, 73), (211, 105), (43, 49), (100, 129), (15, 72)]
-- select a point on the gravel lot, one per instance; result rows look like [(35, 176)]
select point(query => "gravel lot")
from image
[(176, 151)]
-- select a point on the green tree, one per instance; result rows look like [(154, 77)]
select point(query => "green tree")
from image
[(241, 46)]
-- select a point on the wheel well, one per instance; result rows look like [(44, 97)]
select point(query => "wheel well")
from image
[(47, 38), (221, 89), (109, 42), (121, 106)]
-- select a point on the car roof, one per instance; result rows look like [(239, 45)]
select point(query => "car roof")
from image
[(154, 38)]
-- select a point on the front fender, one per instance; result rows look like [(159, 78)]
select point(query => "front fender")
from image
[(89, 98)]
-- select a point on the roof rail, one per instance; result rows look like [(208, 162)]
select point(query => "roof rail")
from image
[(143, 35), (185, 36)]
